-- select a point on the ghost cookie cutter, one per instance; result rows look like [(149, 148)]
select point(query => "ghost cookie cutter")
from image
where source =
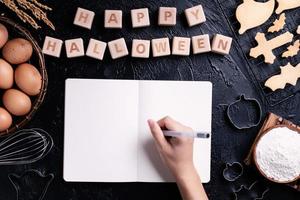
[(244, 113), (251, 14), (233, 171), (256, 191), (31, 185)]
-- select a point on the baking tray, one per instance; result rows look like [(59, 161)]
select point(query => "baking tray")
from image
[(260, 70)]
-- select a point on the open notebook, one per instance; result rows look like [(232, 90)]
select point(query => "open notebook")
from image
[(107, 138)]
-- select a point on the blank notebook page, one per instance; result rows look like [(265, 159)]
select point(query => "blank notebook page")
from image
[(100, 143), (107, 138), (185, 101)]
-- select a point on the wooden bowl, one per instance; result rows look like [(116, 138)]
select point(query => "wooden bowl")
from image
[(254, 153), (38, 60)]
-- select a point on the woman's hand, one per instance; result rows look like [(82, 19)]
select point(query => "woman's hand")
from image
[(177, 153)]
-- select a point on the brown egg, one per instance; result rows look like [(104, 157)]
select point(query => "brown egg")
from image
[(28, 79), (5, 119), (16, 102), (3, 35), (17, 51), (6, 75)]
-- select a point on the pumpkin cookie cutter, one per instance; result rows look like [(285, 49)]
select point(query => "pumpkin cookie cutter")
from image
[(26, 190), (251, 191), (233, 171), (252, 120)]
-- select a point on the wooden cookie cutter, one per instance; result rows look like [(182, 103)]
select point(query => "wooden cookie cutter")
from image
[(286, 5), (289, 74), (251, 14), (278, 24), (292, 50), (265, 47)]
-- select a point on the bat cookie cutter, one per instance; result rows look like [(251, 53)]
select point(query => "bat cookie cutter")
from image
[(255, 191), (289, 74), (292, 50), (278, 24)]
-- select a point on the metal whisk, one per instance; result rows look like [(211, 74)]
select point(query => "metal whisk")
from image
[(25, 146)]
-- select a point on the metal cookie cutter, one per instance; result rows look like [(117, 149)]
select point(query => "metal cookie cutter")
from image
[(31, 185), (244, 112), (256, 191), (233, 171)]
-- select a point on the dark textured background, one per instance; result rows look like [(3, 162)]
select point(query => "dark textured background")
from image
[(231, 75)]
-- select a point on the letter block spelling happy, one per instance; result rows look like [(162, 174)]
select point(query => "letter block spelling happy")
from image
[(113, 19), (84, 18), (167, 16), (195, 15), (140, 17)]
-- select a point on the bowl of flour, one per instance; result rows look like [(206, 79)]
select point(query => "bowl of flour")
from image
[(277, 154)]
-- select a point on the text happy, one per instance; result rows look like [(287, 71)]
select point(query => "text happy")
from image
[(140, 47)]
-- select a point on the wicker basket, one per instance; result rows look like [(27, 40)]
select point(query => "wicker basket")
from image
[(37, 60)]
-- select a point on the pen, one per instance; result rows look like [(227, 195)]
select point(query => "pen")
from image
[(186, 134)]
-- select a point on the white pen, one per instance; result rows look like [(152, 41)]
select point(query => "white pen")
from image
[(186, 134)]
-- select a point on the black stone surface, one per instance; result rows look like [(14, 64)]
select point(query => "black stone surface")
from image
[(231, 75)]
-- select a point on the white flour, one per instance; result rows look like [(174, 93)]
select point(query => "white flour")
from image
[(278, 154)]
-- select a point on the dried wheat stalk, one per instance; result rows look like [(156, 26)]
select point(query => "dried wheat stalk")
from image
[(36, 8)]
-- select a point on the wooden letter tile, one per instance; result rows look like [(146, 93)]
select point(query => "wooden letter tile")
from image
[(96, 49), (181, 46), (140, 48), (195, 15), (160, 47), (84, 18), (118, 48), (52, 46), (167, 16), (140, 17), (221, 44), (201, 44), (74, 48), (113, 19)]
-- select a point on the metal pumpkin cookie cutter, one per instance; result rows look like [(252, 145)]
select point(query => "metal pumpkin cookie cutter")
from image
[(244, 113), (233, 171)]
